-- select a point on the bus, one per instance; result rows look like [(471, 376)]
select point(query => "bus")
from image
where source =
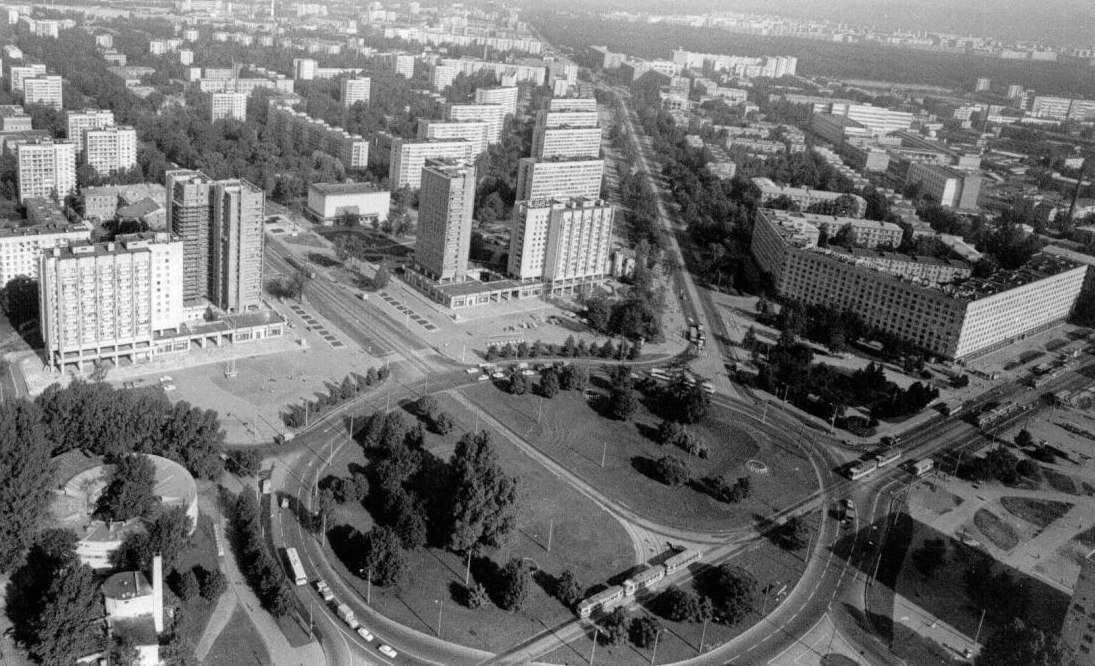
[(861, 470), (296, 568)]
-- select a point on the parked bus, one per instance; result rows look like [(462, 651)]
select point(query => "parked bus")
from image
[(296, 568)]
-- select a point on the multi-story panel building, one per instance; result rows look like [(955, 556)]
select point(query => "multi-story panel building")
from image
[(230, 105), (493, 114), (571, 104), (925, 269), (561, 241), (404, 64), (354, 90), (473, 131), (237, 237), (441, 76), (46, 169), (819, 201), (78, 121), (110, 148), (189, 217), (959, 320), (536, 74), (504, 95), (14, 119), (1078, 629), (947, 187), (559, 178), (19, 73), (304, 69), (409, 156), (109, 300), (572, 142), (20, 247), (45, 90), (445, 206), (306, 133)]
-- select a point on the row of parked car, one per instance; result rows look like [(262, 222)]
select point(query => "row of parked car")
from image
[(346, 614)]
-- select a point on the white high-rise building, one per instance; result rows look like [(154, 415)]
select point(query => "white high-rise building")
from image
[(45, 90), (566, 133), (505, 95), (46, 169), (493, 114), (18, 73), (231, 105), (237, 240), (355, 90), (474, 131), (441, 76), (304, 69), (445, 206), (561, 240), (20, 247), (404, 64), (408, 157), (110, 149), (559, 178), (78, 121), (109, 300)]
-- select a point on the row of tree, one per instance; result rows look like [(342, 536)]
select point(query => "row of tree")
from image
[(262, 572), (569, 349), (300, 415)]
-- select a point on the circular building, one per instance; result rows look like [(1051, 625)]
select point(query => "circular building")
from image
[(81, 478)]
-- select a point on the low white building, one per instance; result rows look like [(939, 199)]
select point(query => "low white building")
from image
[(329, 201)]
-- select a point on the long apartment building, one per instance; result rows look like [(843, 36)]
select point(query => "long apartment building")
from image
[(566, 133), (46, 169), (956, 321), (561, 240), (110, 149), (553, 178), (76, 122), (445, 205), (409, 156), (820, 201), (536, 74), (353, 90), (299, 129), (506, 96), (45, 90), (227, 106), (492, 114), (473, 131), (951, 188), (14, 119), (19, 73), (109, 300), (20, 247)]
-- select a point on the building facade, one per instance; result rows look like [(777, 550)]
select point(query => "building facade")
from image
[(110, 149), (189, 219), (327, 202), (354, 90), (445, 206), (45, 90), (475, 132), (561, 241), (493, 114), (238, 208), (948, 187), (20, 247), (820, 201), (227, 105), (539, 179), (46, 169), (77, 122), (506, 96), (408, 157)]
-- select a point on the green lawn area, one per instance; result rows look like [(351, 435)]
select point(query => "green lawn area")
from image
[(1087, 537), (200, 552), (1039, 512), (585, 539), (1062, 483), (239, 643), (574, 434), (999, 533)]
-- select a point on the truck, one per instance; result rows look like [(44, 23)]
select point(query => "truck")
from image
[(347, 615), (922, 467)]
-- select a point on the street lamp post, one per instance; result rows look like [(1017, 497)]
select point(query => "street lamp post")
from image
[(654, 651), (703, 635), (593, 650), (440, 609)]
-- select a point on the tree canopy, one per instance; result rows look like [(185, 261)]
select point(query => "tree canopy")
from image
[(483, 497), (25, 478), (130, 491)]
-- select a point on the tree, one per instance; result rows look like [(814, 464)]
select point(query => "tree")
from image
[(212, 583), (644, 631), (549, 383), (734, 593), (123, 653), (515, 584), (483, 505), (725, 489), (247, 462), (690, 402), (167, 535), (69, 623), (1024, 438), (599, 313), (384, 560), (381, 278), (614, 627), (573, 377), (130, 491), (427, 406), (517, 384), (680, 605), (443, 424), (477, 595), (931, 555), (25, 478), (672, 471), (186, 585), (669, 432), (567, 589), (794, 534), (1018, 644), (623, 403)]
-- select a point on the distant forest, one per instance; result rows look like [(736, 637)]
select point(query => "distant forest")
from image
[(818, 58)]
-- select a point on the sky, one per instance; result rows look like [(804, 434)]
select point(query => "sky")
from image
[(1061, 22)]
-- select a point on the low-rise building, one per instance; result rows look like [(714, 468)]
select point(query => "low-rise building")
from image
[(328, 202), (820, 201)]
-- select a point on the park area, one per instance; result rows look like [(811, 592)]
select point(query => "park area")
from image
[(571, 430)]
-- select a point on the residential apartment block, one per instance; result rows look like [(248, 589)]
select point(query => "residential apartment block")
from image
[(493, 114), (227, 105), (19, 73), (553, 178), (237, 242), (474, 131), (20, 247), (78, 121), (561, 240), (14, 119), (445, 206), (46, 169), (110, 149), (408, 157), (506, 96), (354, 90), (959, 320), (189, 218), (306, 133), (819, 201), (45, 90), (947, 187), (566, 133)]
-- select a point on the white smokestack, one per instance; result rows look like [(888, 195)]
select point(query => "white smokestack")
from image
[(157, 593)]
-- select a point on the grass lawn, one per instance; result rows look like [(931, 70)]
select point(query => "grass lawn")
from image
[(772, 566), (1039, 512), (239, 643), (200, 552), (1087, 537), (1062, 483), (584, 539), (999, 533), (575, 435)]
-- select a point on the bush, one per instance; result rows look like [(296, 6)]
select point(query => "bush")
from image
[(623, 404), (644, 631), (212, 584), (186, 585), (567, 589), (515, 584), (244, 463), (672, 471), (443, 423), (517, 384), (477, 595), (669, 432)]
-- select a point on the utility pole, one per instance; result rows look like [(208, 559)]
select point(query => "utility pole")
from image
[(604, 451), (654, 652), (551, 529), (440, 609), (703, 635), (593, 650), (467, 571), (979, 625), (369, 588)]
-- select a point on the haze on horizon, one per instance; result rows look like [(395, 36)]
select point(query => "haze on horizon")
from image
[(1056, 22)]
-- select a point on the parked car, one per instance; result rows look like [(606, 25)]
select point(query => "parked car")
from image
[(364, 633), (387, 651)]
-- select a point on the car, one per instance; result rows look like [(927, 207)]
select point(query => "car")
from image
[(387, 651), (321, 584), (472, 370), (498, 374), (482, 378), (528, 373), (169, 387), (364, 633), (165, 379)]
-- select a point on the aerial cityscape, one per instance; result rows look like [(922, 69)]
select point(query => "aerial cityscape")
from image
[(547, 333)]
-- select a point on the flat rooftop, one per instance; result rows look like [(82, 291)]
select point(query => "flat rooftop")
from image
[(345, 188)]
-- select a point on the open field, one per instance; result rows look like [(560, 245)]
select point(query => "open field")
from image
[(575, 435), (584, 539), (1040, 512), (239, 643)]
